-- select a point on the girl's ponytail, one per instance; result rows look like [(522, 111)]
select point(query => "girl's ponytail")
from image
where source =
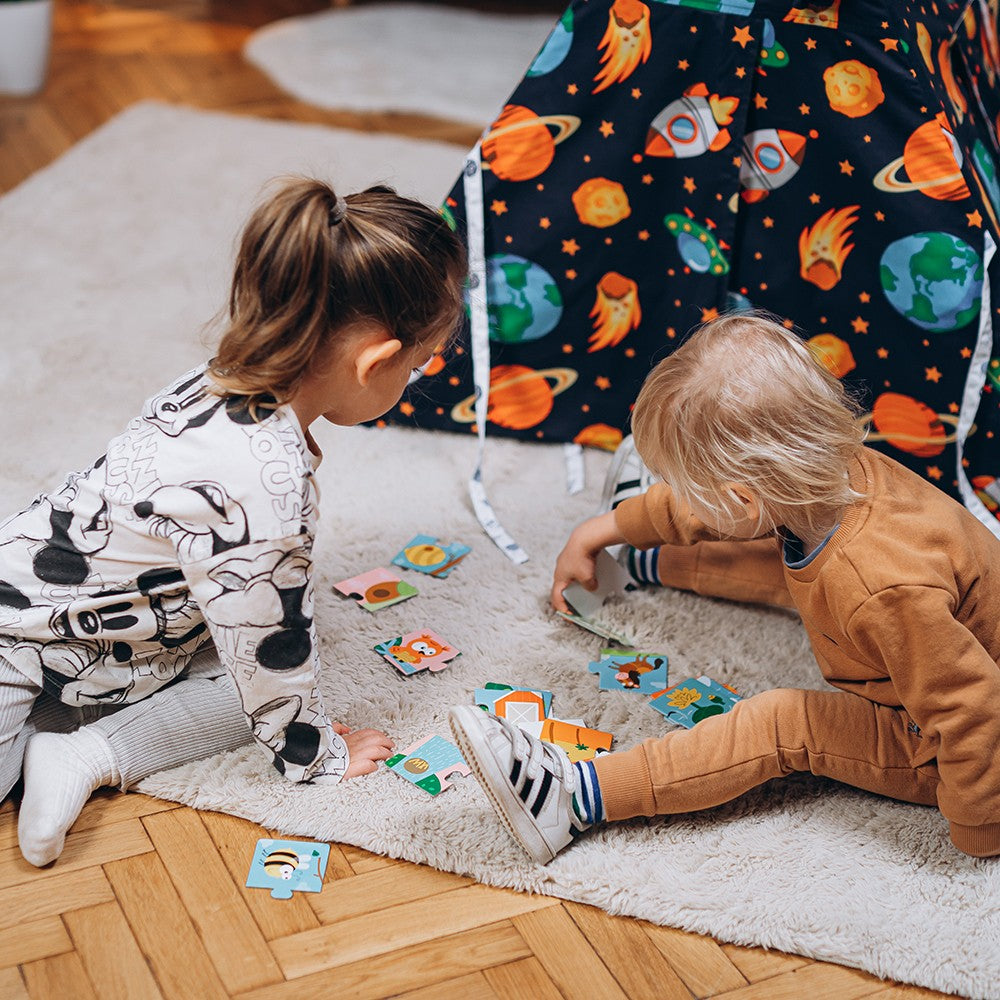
[(310, 263)]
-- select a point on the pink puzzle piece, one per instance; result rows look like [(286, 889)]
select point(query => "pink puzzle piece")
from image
[(376, 589), (428, 764), (415, 651)]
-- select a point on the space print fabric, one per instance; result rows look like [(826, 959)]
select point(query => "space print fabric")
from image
[(663, 162), (196, 526)]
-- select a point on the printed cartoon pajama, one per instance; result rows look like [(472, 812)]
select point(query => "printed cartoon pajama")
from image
[(194, 530)]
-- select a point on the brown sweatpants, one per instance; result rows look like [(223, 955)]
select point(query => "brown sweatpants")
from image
[(830, 733)]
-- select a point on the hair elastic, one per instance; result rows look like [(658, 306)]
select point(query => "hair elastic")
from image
[(338, 211)]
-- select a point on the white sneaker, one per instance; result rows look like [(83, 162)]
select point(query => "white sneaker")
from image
[(627, 476), (530, 782)]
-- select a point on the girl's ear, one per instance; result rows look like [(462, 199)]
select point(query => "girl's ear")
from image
[(371, 351)]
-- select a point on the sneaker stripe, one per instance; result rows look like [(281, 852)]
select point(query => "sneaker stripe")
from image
[(526, 789), (625, 489), (515, 771), (586, 802), (543, 792), (628, 484)]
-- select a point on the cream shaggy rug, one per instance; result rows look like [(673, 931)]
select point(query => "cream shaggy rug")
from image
[(416, 57), (116, 254)]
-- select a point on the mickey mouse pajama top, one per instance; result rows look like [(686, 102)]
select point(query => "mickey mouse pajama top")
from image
[(196, 525)]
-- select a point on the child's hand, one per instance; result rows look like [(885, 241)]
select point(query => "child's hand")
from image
[(577, 561), (366, 746)]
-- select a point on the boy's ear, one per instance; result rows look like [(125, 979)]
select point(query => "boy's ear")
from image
[(747, 499), (372, 351)]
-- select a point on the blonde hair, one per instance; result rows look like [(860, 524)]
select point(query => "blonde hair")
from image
[(310, 264), (744, 400)]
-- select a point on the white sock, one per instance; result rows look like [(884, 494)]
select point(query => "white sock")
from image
[(60, 773)]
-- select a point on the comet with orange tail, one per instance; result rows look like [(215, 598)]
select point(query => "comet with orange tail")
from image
[(823, 247), (952, 89), (627, 42), (616, 311)]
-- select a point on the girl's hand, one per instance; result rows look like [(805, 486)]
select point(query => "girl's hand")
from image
[(577, 561), (366, 746)]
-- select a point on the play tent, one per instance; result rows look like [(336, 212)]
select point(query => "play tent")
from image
[(662, 162)]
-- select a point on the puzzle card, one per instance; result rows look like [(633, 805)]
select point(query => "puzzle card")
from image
[(631, 670), (416, 651), (610, 581), (287, 866), (428, 764), (426, 554), (697, 698), (516, 704), (605, 632), (376, 589), (578, 741)]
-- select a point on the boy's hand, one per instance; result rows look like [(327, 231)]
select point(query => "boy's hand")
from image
[(577, 560), (366, 746)]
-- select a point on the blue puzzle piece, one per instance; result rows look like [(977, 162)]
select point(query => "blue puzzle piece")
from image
[(690, 701), (426, 554), (630, 670), (287, 866)]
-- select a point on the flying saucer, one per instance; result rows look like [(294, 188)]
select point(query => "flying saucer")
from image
[(696, 245)]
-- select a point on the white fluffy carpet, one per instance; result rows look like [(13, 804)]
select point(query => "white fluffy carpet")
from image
[(416, 57), (114, 257)]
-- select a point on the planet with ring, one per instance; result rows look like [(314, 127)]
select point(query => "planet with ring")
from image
[(696, 245), (910, 425), (520, 146), (932, 161), (520, 397)]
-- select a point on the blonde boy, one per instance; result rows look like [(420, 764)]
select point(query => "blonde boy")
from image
[(769, 495)]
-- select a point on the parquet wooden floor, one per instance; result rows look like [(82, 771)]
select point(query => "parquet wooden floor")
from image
[(148, 897), (148, 901)]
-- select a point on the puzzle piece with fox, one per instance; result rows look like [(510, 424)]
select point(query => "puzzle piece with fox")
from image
[(416, 651)]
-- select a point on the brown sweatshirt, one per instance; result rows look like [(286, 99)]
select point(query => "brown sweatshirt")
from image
[(902, 606)]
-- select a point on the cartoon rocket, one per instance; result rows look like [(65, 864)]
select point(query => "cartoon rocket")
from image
[(690, 125), (771, 157)]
